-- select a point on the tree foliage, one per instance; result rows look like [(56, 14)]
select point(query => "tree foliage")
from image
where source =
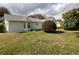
[(71, 19), (39, 16), (3, 11)]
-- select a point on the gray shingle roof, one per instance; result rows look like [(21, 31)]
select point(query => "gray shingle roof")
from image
[(20, 18), (14, 18)]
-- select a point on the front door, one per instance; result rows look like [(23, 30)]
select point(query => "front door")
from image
[(29, 26)]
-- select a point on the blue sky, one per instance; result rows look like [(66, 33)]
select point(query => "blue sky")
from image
[(50, 9)]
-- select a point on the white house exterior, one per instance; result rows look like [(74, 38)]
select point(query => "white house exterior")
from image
[(14, 23)]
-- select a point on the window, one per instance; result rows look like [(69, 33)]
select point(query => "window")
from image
[(24, 25), (36, 23), (28, 25)]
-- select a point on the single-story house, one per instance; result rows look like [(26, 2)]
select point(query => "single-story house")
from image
[(15, 23)]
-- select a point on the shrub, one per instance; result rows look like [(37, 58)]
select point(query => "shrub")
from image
[(49, 26), (2, 28), (71, 24), (71, 19)]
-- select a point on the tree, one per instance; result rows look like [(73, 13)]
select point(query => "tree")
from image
[(49, 26), (71, 19), (39, 16), (3, 11)]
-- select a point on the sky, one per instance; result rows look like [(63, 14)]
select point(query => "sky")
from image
[(49, 9)]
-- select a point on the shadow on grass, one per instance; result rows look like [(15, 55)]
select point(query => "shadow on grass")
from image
[(59, 32), (22, 32), (56, 32)]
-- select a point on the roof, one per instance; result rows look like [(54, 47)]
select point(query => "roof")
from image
[(34, 19), (20, 18), (14, 17)]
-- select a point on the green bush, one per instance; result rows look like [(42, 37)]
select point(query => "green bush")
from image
[(71, 20), (2, 28), (49, 26), (70, 25)]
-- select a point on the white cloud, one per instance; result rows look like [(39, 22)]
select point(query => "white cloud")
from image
[(53, 9), (59, 7), (36, 11)]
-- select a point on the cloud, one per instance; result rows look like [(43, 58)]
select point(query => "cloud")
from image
[(36, 11), (53, 9)]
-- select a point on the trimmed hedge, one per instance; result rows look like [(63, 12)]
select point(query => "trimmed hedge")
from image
[(49, 26)]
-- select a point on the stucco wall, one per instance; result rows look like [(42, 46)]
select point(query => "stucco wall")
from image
[(6, 25), (18, 26), (58, 24), (36, 25)]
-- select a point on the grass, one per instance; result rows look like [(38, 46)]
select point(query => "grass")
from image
[(39, 43)]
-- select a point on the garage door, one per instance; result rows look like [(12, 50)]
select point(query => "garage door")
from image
[(16, 26)]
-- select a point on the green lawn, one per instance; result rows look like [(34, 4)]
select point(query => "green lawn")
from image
[(39, 43)]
